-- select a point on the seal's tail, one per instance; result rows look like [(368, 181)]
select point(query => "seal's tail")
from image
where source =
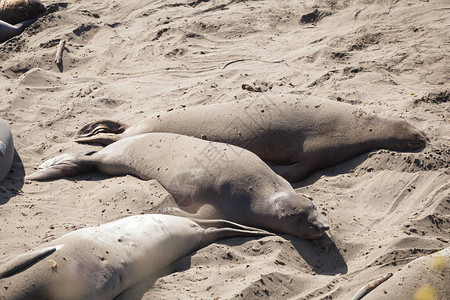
[(220, 229), (62, 166), (25, 260), (103, 132)]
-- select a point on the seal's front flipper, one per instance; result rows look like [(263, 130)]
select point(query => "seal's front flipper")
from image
[(97, 132), (24, 24), (24, 261), (175, 211), (63, 166), (219, 223), (292, 172), (101, 138), (213, 234), (206, 211), (8, 31)]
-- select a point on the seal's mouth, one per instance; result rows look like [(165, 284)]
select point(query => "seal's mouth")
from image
[(314, 231), (419, 141), (415, 144)]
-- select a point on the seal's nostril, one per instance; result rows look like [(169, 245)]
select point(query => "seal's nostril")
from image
[(322, 226)]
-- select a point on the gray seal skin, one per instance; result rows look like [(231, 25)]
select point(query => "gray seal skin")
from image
[(295, 137), (101, 262), (6, 149), (209, 180)]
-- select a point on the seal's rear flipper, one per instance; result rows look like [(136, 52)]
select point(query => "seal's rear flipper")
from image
[(24, 261), (293, 172), (97, 132), (206, 211), (219, 223), (215, 229), (63, 166), (101, 138), (213, 234)]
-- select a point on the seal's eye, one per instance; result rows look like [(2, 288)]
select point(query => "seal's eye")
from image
[(314, 207)]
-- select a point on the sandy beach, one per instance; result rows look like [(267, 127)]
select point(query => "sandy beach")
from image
[(124, 60)]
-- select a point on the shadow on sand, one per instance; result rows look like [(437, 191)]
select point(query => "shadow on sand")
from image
[(343, 168), (13, 183), (321, 255)]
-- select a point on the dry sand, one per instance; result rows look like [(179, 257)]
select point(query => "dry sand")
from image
[(125, 59)]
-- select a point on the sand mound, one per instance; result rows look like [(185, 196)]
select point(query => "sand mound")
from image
[(126, 59)]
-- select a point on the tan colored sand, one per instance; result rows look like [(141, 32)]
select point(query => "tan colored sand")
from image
[(124, 59)]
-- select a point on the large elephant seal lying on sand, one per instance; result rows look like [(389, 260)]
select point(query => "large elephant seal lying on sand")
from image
[(426, 277), (6, 149), (101, 262), (16, 15), (296, 137), (209, 180)]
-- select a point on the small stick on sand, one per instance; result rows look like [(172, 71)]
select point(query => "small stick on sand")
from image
[(248, 59), (59, 52), (232, 62), (370, 286)]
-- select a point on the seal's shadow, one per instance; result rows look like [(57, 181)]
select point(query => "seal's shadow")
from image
[(343, 168), (321, 255), (13, 183), (137, 292), (183, 264)]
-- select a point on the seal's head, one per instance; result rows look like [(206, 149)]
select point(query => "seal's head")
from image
[(33, 9), (406, 137), (298, 216), (15, 11), (37, 8)]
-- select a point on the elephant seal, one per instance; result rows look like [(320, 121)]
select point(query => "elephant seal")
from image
[(6, 149), (295, 137), (426, 277), (8, 31), (16, 11), (16, 15), (102, 262), (209, 180)]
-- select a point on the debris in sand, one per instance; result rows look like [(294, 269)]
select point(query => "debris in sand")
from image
[(370, 286), (59, 52)]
